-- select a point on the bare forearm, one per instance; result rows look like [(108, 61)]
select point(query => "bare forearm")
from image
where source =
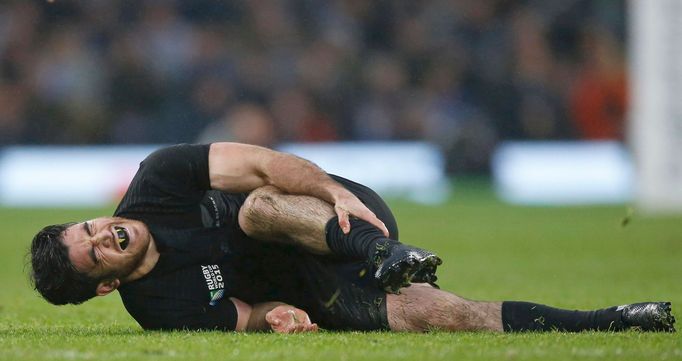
[(295, 175), (298, 176), (237, 167), (257, 320)]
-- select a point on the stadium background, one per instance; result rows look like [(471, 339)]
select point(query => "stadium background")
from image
[(466, 76)]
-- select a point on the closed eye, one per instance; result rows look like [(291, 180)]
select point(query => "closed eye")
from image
[(93, 256)]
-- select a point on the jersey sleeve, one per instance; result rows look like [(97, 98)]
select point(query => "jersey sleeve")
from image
[(221, 316), (175, 177), (175, 314)]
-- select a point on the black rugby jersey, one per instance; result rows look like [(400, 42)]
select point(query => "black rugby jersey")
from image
[(193, 228), (206, 258)]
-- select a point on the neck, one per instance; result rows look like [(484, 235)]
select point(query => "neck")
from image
[(147, 263)]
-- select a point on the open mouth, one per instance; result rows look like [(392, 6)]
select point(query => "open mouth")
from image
[(122, 235)]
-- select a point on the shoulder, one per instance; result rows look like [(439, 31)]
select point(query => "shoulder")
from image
[(169, 179), (177, 153), (181, 164)]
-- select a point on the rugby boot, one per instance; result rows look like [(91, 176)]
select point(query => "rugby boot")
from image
[(397, 265), (649, 316)]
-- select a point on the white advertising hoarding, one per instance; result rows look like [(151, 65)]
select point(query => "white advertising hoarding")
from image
[(67, 176), (563, 173), (99, 175)]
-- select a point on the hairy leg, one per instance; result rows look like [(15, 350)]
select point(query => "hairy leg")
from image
[(423, 308), (268, 214)]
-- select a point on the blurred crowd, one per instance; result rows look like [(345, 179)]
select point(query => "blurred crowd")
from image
[(463, 74)]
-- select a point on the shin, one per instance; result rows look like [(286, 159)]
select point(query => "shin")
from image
[(423, 308)]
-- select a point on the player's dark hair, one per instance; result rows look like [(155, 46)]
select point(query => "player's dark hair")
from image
[(53, 274)]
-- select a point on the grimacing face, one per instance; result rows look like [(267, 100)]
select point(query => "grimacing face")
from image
[(107, 247)]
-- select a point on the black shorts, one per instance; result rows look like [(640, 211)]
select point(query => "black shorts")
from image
[(337, 294)]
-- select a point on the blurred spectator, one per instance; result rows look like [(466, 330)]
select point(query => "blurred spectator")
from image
[(12, 106), (245, 123), (462, 74), (599, 95), (67, 79), (298, 118)]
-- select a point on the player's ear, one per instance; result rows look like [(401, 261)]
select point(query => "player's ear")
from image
[(107, 286)]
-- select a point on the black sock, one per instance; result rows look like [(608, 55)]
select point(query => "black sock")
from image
[(359, 244), (526, 316)]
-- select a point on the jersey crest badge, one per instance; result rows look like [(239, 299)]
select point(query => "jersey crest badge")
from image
[(214, 283)]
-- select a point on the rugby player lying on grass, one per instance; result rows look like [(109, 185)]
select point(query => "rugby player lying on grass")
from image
[(209, 236)]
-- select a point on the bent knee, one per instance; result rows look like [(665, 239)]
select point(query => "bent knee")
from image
[(258, 208)]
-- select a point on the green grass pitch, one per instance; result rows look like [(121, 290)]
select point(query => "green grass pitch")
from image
[(580, 258)]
